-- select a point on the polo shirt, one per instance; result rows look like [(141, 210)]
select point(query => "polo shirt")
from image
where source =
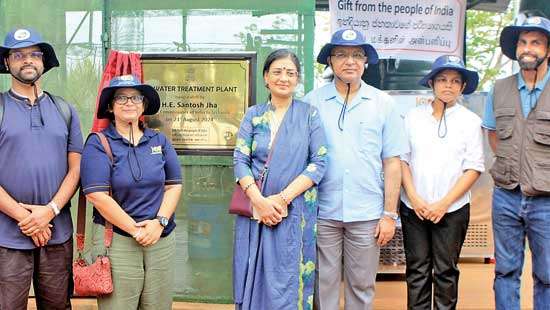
[(34, 142), (353, 186), (154, 159), (437, 163), (528, 100)]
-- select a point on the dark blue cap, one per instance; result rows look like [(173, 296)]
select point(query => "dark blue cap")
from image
[(128, 81), (347, 37), (510, 34), (25, 37), (451, 62)]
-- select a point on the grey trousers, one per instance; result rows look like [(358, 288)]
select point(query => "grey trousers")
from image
[(356, 241), (143, 277)]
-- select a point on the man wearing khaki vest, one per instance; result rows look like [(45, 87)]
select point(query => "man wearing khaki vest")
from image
[(517, 117)]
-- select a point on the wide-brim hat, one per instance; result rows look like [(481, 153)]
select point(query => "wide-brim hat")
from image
[(128, 81), (25, 37), (510, 34), (347, 37), (451, 62)]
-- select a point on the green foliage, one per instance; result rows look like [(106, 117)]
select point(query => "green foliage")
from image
[(82, 82), (482, 44)]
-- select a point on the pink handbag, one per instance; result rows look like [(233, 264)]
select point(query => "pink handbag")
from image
[(92, 279)]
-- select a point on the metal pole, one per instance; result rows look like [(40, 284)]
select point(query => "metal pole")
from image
[(308, 34), (106, 33)]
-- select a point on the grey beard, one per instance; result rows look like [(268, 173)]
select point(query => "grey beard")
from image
[(531, 65)]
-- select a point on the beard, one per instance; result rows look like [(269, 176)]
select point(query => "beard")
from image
[(530, 65), (27, 77)]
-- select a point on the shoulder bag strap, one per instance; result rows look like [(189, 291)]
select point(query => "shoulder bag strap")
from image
[(265, 170), (1, 108), (81, 217), (108, 226), (63, 108)]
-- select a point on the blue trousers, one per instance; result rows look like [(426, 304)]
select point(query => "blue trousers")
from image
[(516, 216)]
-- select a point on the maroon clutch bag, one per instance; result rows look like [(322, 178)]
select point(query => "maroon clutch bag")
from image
[(240, 203)]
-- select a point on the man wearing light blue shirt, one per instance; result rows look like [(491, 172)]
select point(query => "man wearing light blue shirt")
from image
[(359, 192), (517, 118), (528, 99)]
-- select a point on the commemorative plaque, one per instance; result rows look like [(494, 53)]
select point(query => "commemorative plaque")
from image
[(203, 98)]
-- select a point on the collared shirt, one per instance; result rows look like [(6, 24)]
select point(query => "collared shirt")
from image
[(353, 186), (437, 163), (155, 160), (528, 100), (34, 142)]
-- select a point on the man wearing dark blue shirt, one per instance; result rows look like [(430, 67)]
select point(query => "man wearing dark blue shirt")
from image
[(40, 146)]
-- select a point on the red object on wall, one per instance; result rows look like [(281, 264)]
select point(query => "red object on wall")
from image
[(118, 63)]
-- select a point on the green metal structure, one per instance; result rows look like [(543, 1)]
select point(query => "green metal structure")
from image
[(83, 31)]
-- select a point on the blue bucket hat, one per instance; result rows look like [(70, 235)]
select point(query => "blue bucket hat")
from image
[(451, 62), (347, 37), (25, 37), (128, 81), (510, 34)]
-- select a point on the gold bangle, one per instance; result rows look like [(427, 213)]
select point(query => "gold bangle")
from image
[(284, 197)]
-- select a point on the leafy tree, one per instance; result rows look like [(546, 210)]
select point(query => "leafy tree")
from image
[(482, 43)]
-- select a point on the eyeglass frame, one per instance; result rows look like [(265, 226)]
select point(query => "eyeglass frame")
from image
[(20, 56), (291, 73), (117, 101), (356, 56)]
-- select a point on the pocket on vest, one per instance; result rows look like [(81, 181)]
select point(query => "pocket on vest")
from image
[(501, 171), (505, 122), (541, 181), (541, 131)]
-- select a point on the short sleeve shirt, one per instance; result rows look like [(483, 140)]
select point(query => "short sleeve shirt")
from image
[(34, 143), (136, 178), (528, 100), (436, 163)]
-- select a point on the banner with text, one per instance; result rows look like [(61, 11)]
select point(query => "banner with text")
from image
[(405, 29)]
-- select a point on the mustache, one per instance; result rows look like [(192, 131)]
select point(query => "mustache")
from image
[(27, 67), (528, 54)]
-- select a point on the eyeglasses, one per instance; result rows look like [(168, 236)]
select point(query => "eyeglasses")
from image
[(18, 56), (122, 100), (444, 80), (279, 72), (355, 56)]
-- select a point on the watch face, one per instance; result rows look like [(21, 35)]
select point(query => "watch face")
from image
[(163, 221)]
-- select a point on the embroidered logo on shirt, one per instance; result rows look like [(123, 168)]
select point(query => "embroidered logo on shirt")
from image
[(156, 150)]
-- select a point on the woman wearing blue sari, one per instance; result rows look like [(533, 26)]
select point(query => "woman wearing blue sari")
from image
[(274, 257)]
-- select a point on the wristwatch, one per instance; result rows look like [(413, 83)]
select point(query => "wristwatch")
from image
[(163, 220), (52, 205), (393, 215)]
